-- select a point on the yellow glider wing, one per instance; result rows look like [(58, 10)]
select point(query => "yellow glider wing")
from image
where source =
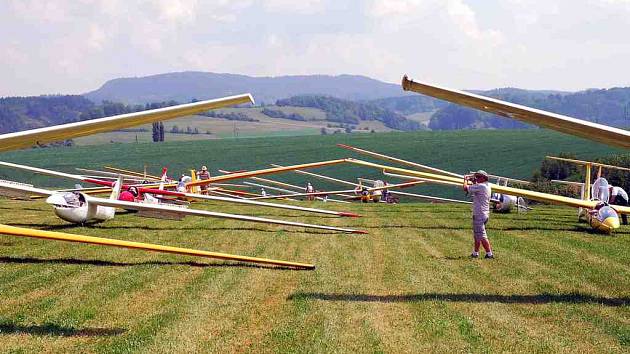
[(28, 138), (60, 236), (266, 171), (447, 180), (589, 130)]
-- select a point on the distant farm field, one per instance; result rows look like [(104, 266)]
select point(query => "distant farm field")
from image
[(218, 128)]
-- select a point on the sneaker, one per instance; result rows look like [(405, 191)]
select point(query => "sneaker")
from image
[(489, 256), (474, 255)]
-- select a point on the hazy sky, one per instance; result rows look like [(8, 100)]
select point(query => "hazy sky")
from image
[(73, 46)]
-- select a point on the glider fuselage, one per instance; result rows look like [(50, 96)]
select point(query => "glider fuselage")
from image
[(75, 208)]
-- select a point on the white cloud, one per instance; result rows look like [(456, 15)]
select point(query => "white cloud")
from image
[(75, 45), (293, 6), (431, 15), (465, 19), (97, 37), (177, 10)]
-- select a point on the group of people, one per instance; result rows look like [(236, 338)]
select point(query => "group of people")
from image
[(132, 194), (609, 194), (477, 186)]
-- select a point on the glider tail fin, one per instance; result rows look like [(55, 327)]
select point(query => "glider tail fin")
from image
[(116, 190)]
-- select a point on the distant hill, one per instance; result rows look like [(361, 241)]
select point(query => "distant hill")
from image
[(350, 102), (184, 86)]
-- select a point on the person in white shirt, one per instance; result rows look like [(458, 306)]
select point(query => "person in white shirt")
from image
[(477, 186), (619, 197), (310, 189), (181, 184)]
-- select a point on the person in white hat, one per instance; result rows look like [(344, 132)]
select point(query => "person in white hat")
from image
[(202, 175), (477, 186)]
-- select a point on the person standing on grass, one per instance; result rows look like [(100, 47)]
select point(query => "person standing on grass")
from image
[(203, 175), (619, 197), (310, 189), (477, 186)]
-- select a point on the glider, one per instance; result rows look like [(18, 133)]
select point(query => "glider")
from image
[(152, 191), (79, 208), (568, 125), (356, 185), (501, 203), (588, 165), (601, 217), (339, 192), (588, 190)]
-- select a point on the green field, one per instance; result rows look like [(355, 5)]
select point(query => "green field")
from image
[(511, 153), (222, 128), (407, 286)]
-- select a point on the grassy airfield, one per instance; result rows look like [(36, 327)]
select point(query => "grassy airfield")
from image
[(408, 286)]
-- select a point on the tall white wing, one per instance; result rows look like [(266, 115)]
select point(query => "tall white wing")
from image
[(21, 190), (174, 212)]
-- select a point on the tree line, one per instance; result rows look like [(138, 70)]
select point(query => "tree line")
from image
[(350, 112)]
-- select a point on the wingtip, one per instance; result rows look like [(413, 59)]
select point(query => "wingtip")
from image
[(361, 232), (305, 267), (348, 214)]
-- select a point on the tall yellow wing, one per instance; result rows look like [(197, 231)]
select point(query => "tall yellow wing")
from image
[(593, 131), (28, 138)]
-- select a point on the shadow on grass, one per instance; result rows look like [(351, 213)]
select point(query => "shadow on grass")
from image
[(572, 298), (415, 212), (592, 231), (49, 329), (49, 227), (26, 209), (100, 263)]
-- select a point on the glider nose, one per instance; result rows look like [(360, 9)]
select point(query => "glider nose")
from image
[(612, 222)]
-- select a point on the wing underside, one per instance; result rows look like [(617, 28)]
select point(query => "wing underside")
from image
[(569, 125)]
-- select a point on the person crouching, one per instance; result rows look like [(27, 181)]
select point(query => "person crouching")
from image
[(477, 186)]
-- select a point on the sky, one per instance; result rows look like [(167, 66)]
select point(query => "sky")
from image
[(74, 46)]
